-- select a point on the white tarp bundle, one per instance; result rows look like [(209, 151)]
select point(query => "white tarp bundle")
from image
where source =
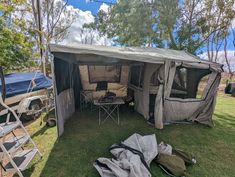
[(128, 163)]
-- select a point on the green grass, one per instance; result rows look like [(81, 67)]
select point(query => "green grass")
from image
[(84, 141)]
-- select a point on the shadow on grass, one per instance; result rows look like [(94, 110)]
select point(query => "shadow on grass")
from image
[(40, 132)]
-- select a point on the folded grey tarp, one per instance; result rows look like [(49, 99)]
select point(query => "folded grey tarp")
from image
[(127, 163)]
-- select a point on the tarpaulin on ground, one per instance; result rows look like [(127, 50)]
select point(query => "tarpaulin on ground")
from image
[(132, 157), (19, 83)]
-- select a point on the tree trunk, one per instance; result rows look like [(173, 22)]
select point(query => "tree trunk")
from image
[(208, 50), (172, 38), (226, 59)]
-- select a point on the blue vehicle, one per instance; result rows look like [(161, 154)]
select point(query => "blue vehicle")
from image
[(26, 93)]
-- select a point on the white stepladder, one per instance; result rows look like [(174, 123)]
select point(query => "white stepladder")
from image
[(14, 156)]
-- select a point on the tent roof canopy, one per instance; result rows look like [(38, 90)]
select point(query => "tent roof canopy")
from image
[(140, 54)]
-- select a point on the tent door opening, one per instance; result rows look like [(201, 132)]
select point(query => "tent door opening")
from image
[(152, 101), (154, 84)]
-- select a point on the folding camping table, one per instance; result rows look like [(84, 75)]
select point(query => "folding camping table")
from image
[(110, 109)]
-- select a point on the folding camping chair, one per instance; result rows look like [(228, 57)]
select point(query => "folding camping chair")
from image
[(86, 98)]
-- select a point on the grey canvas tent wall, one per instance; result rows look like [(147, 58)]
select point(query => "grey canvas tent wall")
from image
[(180, 86)]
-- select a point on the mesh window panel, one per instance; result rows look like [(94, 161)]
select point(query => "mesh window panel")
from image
[(186, 82), (137, 76), (62, 76)]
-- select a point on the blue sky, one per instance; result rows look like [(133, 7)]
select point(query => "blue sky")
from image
[(90, 6)]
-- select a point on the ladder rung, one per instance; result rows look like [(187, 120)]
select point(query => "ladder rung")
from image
[(6, 128), (22, 160), (15, 143)]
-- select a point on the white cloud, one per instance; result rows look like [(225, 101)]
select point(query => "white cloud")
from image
[(233, 21), (77, 34), (233, 24), (104, 7), (221, 59)]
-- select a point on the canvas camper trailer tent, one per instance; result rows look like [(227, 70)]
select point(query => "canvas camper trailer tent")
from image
[(169, 85)]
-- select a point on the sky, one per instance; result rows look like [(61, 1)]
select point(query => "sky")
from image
[(88, 5)]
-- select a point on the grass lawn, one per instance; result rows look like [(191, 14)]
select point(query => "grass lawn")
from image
[(84, 141)]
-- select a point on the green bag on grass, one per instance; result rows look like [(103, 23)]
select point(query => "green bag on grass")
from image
[(187, 158), (171, 164)]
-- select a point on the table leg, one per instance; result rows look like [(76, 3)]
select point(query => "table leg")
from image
[(99, 115), (118, 113), (109, 111), (81, 102)]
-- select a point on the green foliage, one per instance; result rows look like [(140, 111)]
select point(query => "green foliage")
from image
[(204, 22), (183, 25), (15, 43), (167, 12), (130, 23)]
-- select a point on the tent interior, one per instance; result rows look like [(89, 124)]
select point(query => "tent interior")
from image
[(164, 90)]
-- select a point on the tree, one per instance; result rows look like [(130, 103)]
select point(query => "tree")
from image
[(167, 13), (218, 17), (129, 23), (190, 25), (226, 58), (87, 34), (139, 22), (182, 25), (199, 23), (57, 18), (15, 42)]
